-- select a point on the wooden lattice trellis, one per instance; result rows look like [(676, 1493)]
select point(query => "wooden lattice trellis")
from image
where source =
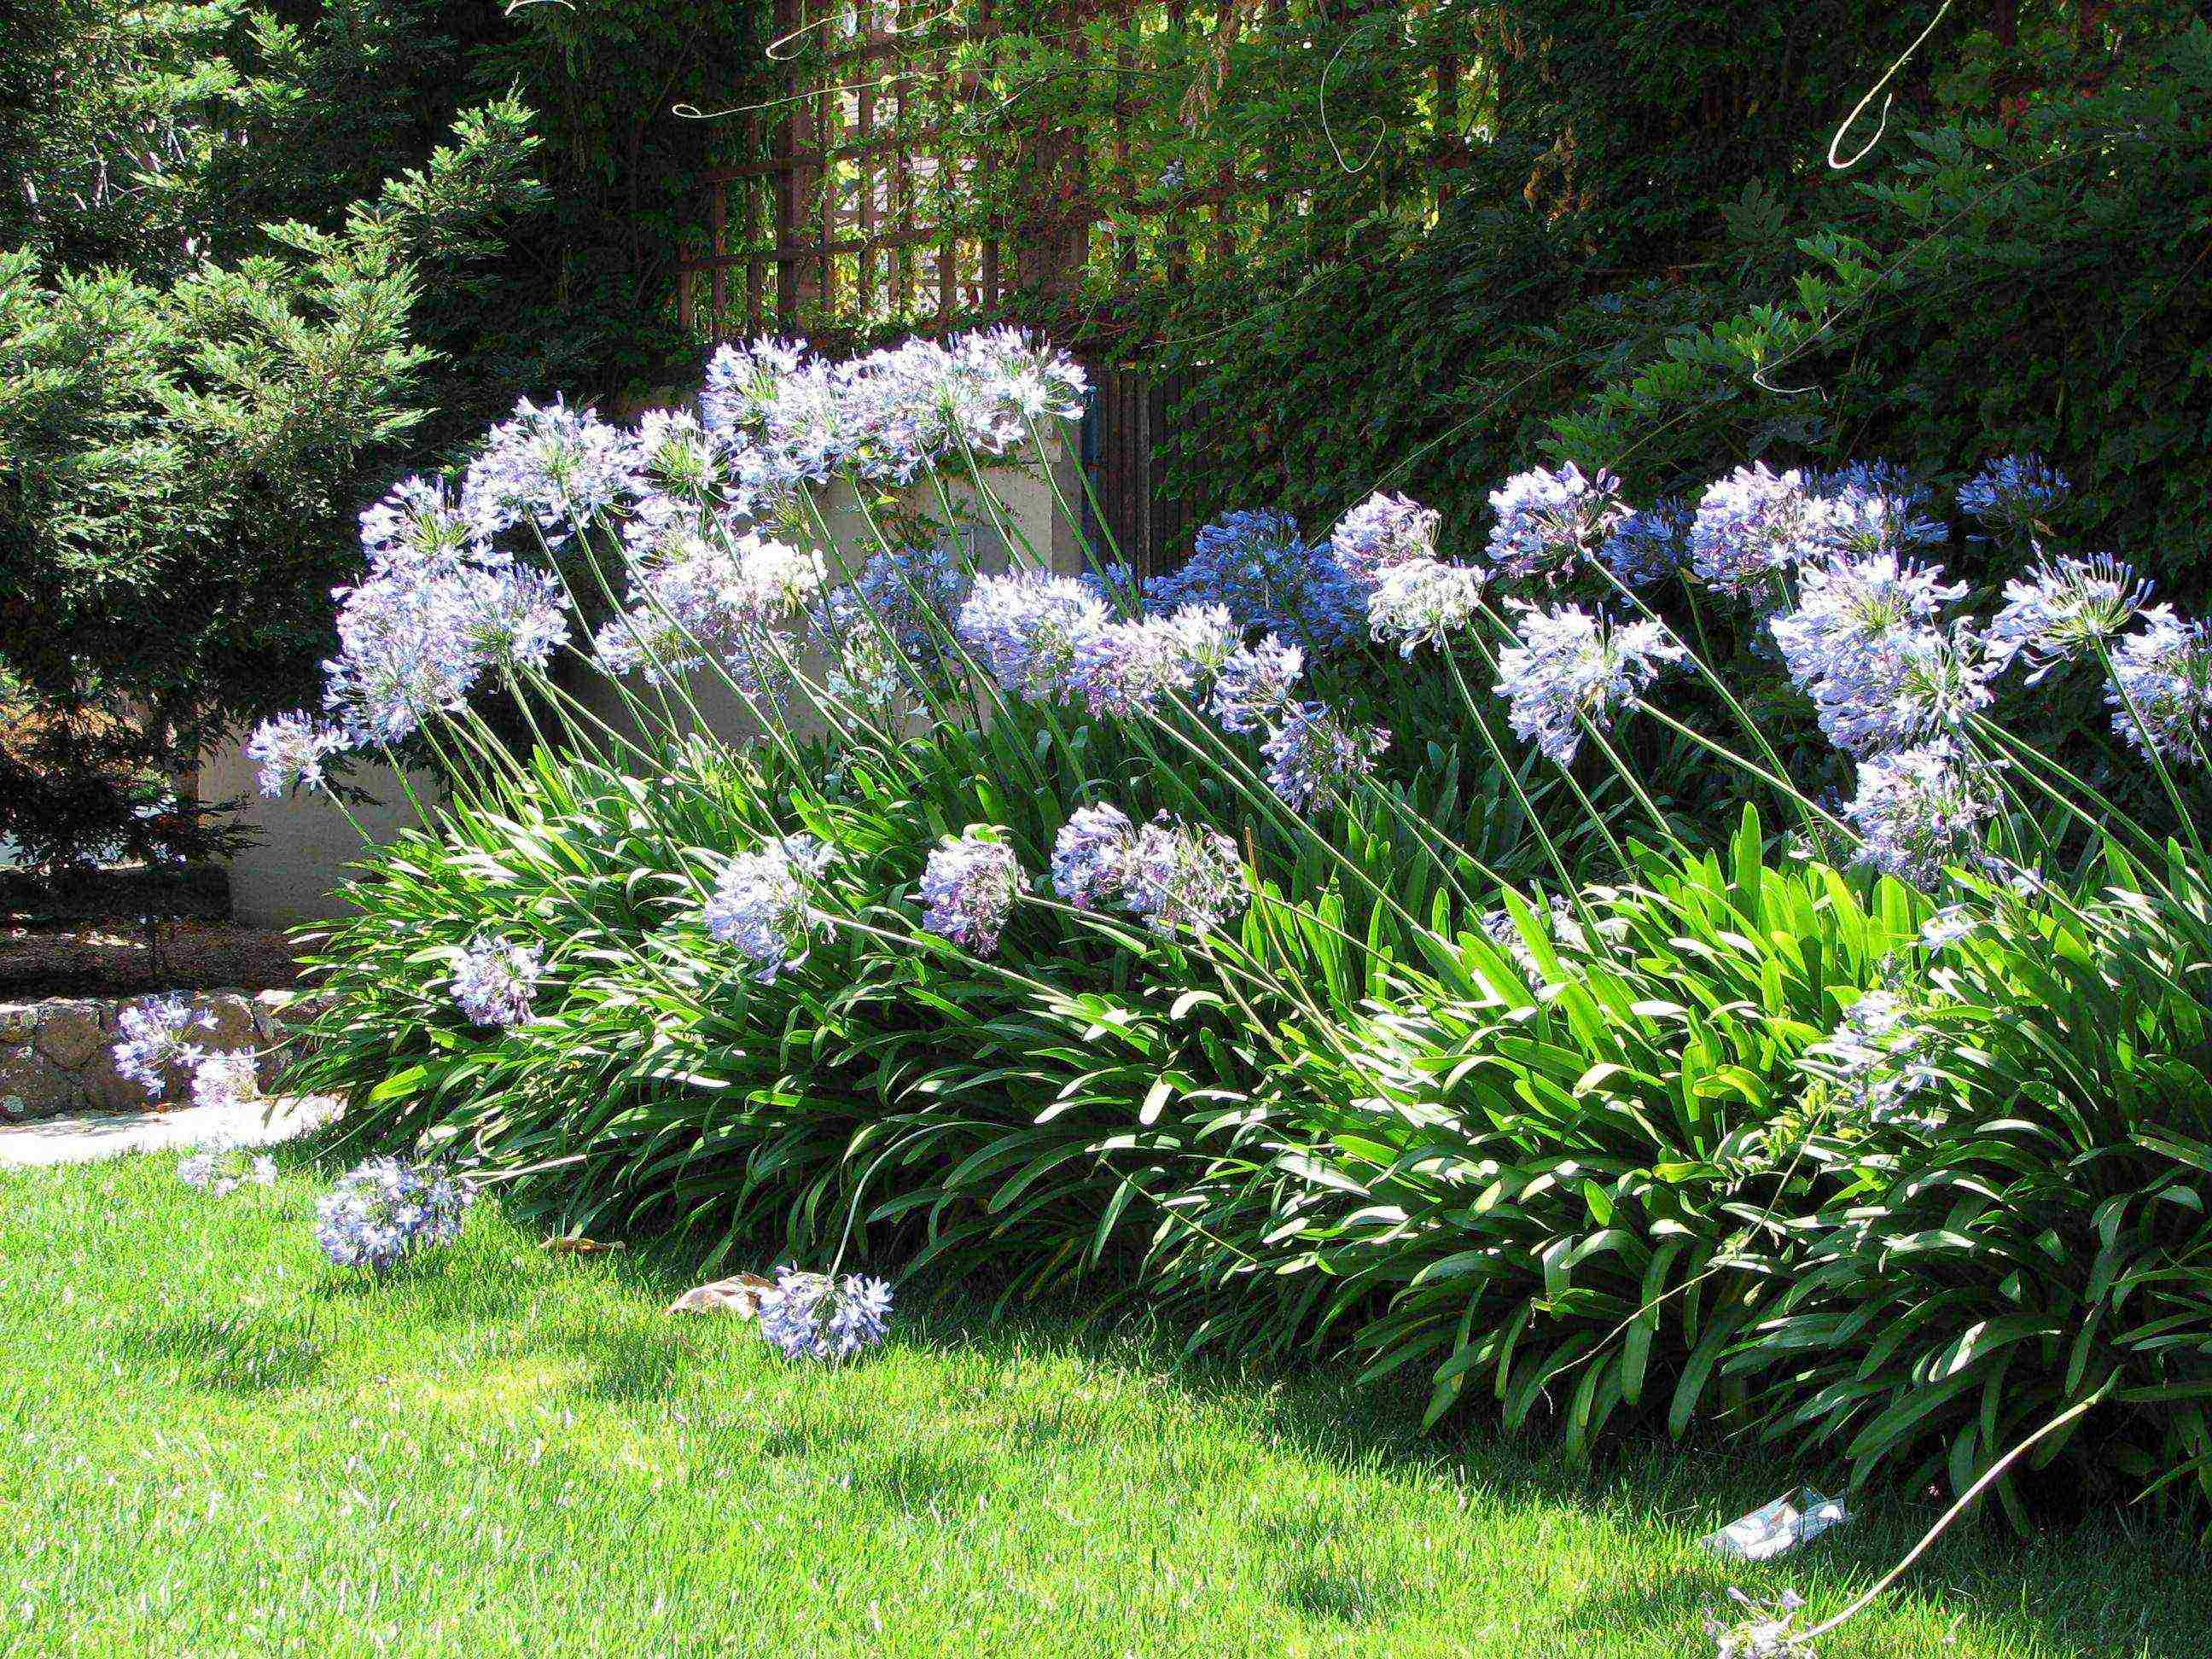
[(850, 215), (867, 197)]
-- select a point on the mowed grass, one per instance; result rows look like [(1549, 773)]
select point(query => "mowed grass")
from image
[(211, 1442)]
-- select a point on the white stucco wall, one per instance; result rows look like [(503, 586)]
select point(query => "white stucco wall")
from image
[(302, 842)]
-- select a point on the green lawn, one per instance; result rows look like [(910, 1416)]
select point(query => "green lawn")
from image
[(210, 1442)]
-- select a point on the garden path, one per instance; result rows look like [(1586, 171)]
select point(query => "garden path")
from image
[(94, 1135)]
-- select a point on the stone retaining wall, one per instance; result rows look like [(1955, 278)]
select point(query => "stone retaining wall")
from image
[(57, 1056)]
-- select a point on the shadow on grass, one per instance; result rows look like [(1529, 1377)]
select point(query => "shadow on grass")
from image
[(242, 1356)]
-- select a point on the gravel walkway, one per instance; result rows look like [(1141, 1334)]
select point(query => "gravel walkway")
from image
[(111, 1134)]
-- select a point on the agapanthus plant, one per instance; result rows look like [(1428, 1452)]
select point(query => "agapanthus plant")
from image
[(1885, 1059), (2161, 687), (1315, 754), (1257, 685), (1752, 527), (1176, 875), (1382, 534), (1919, 811), (1424, 602), (2014, 495), (1258, 567), (762, 904), (288, 751), (1183, 877), (2063, 609), (1569, 667), (1550, 520), (1864, 644)]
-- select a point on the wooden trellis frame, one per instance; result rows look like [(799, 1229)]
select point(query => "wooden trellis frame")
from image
[(828, 230), (862, 205)]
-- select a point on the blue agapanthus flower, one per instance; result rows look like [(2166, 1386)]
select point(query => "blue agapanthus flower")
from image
[(762, 904), (2014, 494), (153, 1041), (1255, 686), (1257, 566), (814, 1316), (1090, 856), (385, 1210), (1919, 811), (1313, 754), (1650, 544), (1184, 876), (969, 888)]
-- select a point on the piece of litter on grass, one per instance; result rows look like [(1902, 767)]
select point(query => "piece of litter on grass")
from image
[(740, 1295), (1769, 1530)]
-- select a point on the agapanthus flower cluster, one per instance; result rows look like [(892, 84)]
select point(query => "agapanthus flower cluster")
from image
[(1761, 1630), (695, 598), (1257, 685), (2063, 607), (969, 888), (775, 404), (290, 748), (795, 419), (2162, 688), (417, 526), (1548, 521), (1569, 666), (1313, 754), (1885, 1061), (414, 640), (550, 466), (1650, 544), (814, 1316), (1090, 856), (228, 1080), (386, 1209), (403, 656), (219, 1170), (1259, 568), (153, 1041), (1422, 602), (1863, 645), (1919, 811), (1125, 667), (2014, 495), (1183, 877), (679, 459), (1869, 509), (1175, 875), (494, 981), (1027, 626), (1383, 532), (1751, 527), (762, 904), (903, 598)]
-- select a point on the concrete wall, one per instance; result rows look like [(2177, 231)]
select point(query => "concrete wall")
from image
[(303, 841)]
